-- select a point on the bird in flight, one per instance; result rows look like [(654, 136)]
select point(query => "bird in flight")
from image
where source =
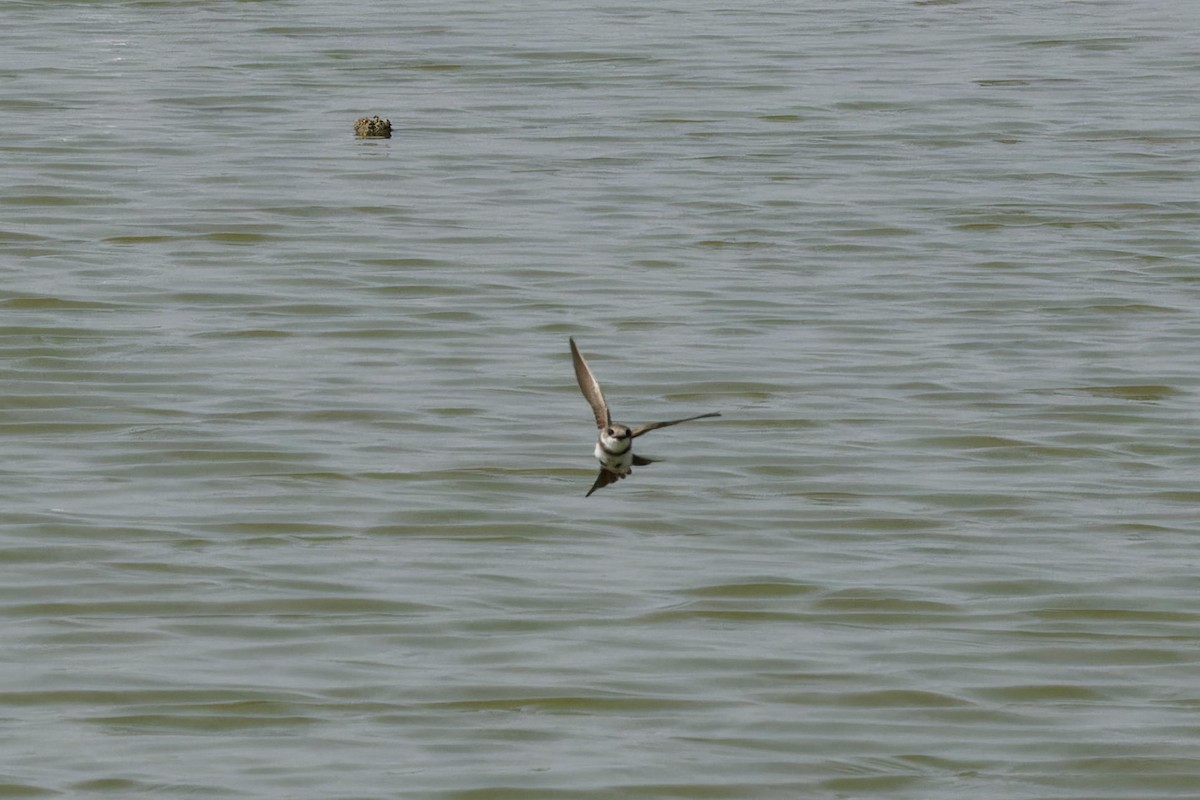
[(614, 450)]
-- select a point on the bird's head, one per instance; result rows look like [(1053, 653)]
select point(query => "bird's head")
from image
[(616, 437)]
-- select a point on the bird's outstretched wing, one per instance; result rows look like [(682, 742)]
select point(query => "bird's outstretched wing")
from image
[(638, 430), (591, 392), (604, 479)]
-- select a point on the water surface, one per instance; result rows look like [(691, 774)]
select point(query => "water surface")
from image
[(295, 462)]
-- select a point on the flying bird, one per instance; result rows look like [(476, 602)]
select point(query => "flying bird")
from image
[(614, 450)]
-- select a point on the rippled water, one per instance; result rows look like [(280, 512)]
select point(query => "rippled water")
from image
[(295, 461)]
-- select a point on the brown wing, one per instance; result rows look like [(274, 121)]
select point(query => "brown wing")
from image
[(638, 430), (591, 390), (603, 479)]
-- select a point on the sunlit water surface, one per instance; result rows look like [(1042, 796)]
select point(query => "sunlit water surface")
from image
[(295, 461)]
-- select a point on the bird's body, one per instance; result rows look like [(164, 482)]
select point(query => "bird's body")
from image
[(612, 457), (614, 448)]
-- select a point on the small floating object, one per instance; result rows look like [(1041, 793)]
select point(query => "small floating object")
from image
[(373, 128)]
